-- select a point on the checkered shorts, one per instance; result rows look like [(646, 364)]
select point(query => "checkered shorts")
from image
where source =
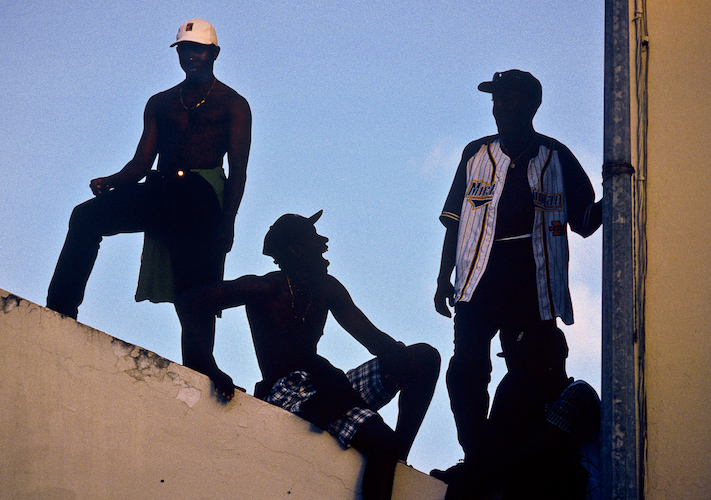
[(576, 411), (295, 389)]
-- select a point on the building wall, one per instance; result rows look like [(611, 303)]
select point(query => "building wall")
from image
[(84, 416), (677, 357)]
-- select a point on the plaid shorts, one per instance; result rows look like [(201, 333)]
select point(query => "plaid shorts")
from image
[(292, 391)]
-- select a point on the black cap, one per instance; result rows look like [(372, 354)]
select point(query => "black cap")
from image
[(514, 79), (551, 342), (287, 228)]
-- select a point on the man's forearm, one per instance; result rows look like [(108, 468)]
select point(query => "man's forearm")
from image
[(131, 173), (449, 252), (234, 191), (383, 345)]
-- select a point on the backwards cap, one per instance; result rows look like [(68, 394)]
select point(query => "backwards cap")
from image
[(536, 340), (196, 30), (285, 230)]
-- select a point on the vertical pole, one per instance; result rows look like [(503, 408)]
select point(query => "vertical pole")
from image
[(619, 429)]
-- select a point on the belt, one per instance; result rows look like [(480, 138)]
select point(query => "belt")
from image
[(519, 237)]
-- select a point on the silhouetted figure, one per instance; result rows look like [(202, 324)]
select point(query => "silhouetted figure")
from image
[(542, 438), (506, 218), (287, 311), (186, 207)]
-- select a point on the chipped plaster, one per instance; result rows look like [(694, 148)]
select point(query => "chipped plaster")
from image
[(83, 412)]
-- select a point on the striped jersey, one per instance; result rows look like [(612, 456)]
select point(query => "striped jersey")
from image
[(558, 186)]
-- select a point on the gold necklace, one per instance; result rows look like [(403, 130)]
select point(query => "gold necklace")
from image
[(201, 102), (513, 162), (293, 302)]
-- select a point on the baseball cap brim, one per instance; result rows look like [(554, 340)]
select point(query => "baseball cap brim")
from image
[(191, 39), (315, 217), (486, 87)]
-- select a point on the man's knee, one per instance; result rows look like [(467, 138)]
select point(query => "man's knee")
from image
[(375, 438), (81, 215), (86, 217), (425, 360), (468, 372), (419, 365)]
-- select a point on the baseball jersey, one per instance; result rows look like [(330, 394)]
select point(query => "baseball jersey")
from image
[(472, 204)]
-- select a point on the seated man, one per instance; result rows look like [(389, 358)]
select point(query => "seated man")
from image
[(543, 430), (287, 311)]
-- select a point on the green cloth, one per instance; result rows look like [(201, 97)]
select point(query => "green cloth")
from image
[(155, 278)]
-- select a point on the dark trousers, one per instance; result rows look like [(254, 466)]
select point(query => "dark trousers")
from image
[(181, 211), (525, 457), (505, 300)]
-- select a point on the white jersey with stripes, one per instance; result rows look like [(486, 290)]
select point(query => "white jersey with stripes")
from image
[(485, 174)]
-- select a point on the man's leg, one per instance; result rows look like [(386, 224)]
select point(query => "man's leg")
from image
[(468, 376), (188, 226), (515, 416), (197, 342), (517, 412), (190, 234), (415, 375), (378, 443), (334, 405), (119, 211)]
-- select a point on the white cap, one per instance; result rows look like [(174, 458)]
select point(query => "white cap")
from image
[(196, 30)]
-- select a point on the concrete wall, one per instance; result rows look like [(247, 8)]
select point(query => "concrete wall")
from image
[(678, 301), (84, 415)]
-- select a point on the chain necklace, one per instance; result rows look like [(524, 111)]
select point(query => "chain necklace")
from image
[(201, 102), (513, 162), (293, 302)]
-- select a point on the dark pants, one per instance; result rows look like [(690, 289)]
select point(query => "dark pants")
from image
[(517, 425), (525, 456), (181, 211), (506, 300)]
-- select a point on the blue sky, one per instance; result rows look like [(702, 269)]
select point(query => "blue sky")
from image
[(361, 109)]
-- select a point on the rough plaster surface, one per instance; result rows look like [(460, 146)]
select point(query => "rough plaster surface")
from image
[(84, 415)]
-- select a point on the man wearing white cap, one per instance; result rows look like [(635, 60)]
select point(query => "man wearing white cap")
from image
[(187, 206)]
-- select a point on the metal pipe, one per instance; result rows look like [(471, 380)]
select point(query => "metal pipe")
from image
[(619, 422)]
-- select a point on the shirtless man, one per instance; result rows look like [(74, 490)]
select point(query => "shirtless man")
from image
[(187, 204), (287, 311)]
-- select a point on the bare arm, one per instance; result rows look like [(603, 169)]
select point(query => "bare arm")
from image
[(240, 137), (352, 319), (445, 290), (216, 297), (142, 160)]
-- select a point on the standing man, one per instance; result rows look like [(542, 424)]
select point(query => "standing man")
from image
[(187, 205), (287, 311), (506, 219)]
